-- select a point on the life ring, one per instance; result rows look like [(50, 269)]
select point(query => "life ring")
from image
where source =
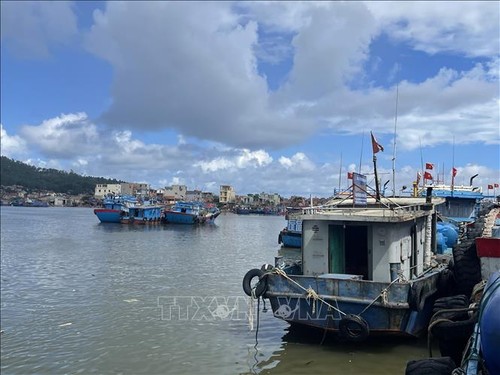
[(353, 328), (261, 286)]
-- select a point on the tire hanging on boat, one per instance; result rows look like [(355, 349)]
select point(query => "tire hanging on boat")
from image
[(353, 328), (261, 286)]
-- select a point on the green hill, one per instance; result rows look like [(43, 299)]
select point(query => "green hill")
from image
[(14, 172)]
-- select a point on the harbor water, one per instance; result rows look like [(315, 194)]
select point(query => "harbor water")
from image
[(82, 297)]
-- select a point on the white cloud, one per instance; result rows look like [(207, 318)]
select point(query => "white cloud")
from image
[(467, 27), (33, 28), (64, 136), (299, 162), (11, 146), (243, 159)]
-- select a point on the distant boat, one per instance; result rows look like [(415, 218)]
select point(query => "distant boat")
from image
[(113, 208), (191, 213), (364, 270), (462, 202), (291, 236), (245, 210)]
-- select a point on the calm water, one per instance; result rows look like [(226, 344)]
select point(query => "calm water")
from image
[(78, 296)]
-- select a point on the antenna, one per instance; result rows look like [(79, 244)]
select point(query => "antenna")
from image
[(361, 156), (421, 158), (394, 150), (340, 172)]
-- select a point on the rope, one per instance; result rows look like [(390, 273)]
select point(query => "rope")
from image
[(442, 320), (310, 292), (258, 320), (250, 313), (383, 294)]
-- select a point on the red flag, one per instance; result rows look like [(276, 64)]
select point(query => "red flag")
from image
[(495, 185), (429, 165), (349, 175), (375, 145), (454, 171), (427, 176), (490, 187)]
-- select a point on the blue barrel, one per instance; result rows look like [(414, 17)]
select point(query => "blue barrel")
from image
[(450, 234), (490, 324)]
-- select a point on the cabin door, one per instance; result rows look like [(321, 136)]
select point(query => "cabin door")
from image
[(336, 249), (356, 250)]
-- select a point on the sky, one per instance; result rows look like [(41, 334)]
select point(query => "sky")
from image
[(275, 97)]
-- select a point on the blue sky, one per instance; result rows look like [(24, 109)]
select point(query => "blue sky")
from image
[(276, 97)]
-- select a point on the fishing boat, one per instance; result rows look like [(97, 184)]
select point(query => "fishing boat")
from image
[(291, 235), (113, 208), (191, 213), (368, 267), (145, 213), (462, 202)]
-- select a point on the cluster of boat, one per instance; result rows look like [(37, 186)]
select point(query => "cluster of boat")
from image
[(395, 266), (128, 210)]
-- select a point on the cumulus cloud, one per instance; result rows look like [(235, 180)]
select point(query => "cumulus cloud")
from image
[(33, 28), (64, 136), (196, 73), (11, 146), (467, 27)]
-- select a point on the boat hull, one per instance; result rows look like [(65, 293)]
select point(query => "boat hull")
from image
[(290, 239), (404, 310), (108, 215), (180, 218)]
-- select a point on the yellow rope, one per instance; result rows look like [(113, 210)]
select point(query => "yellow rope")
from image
[(310, 292)]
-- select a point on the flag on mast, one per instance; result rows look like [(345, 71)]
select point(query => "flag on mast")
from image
[(427, 176), (429, 166), (376, 147), (454, 172)]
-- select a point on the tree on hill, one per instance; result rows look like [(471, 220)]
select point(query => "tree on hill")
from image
[(13, 172)]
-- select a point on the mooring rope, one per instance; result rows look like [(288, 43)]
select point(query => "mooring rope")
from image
[(311, 293), (383, 294)]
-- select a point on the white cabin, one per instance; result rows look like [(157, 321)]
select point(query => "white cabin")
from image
[(376, 242)]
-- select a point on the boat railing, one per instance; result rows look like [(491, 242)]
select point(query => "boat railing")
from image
[(384, 211)]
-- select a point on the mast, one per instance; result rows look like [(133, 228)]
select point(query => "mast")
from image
[(453, 167), (361, 155), (340, 173), (394, 149), (376, 147)]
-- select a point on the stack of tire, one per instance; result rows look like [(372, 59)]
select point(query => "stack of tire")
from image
[(451, 325)]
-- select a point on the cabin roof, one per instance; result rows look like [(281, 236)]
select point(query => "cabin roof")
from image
[(388, 210)]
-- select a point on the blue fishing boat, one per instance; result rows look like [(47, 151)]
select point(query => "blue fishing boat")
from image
[(291, 235), (462, 203), (365, 270), (191, 213), (145, 213), (113, 208)]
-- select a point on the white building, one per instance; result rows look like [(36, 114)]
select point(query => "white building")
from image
[(101, 190), (227, 194), (178, 192)]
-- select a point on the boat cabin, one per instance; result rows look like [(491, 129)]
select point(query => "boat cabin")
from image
[(377, 242)]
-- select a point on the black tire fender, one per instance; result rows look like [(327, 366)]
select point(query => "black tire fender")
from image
[(353, 328), (435, 366), (261, 286), (415, 296)]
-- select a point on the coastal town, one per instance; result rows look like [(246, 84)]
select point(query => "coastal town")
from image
[(227, 199)]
